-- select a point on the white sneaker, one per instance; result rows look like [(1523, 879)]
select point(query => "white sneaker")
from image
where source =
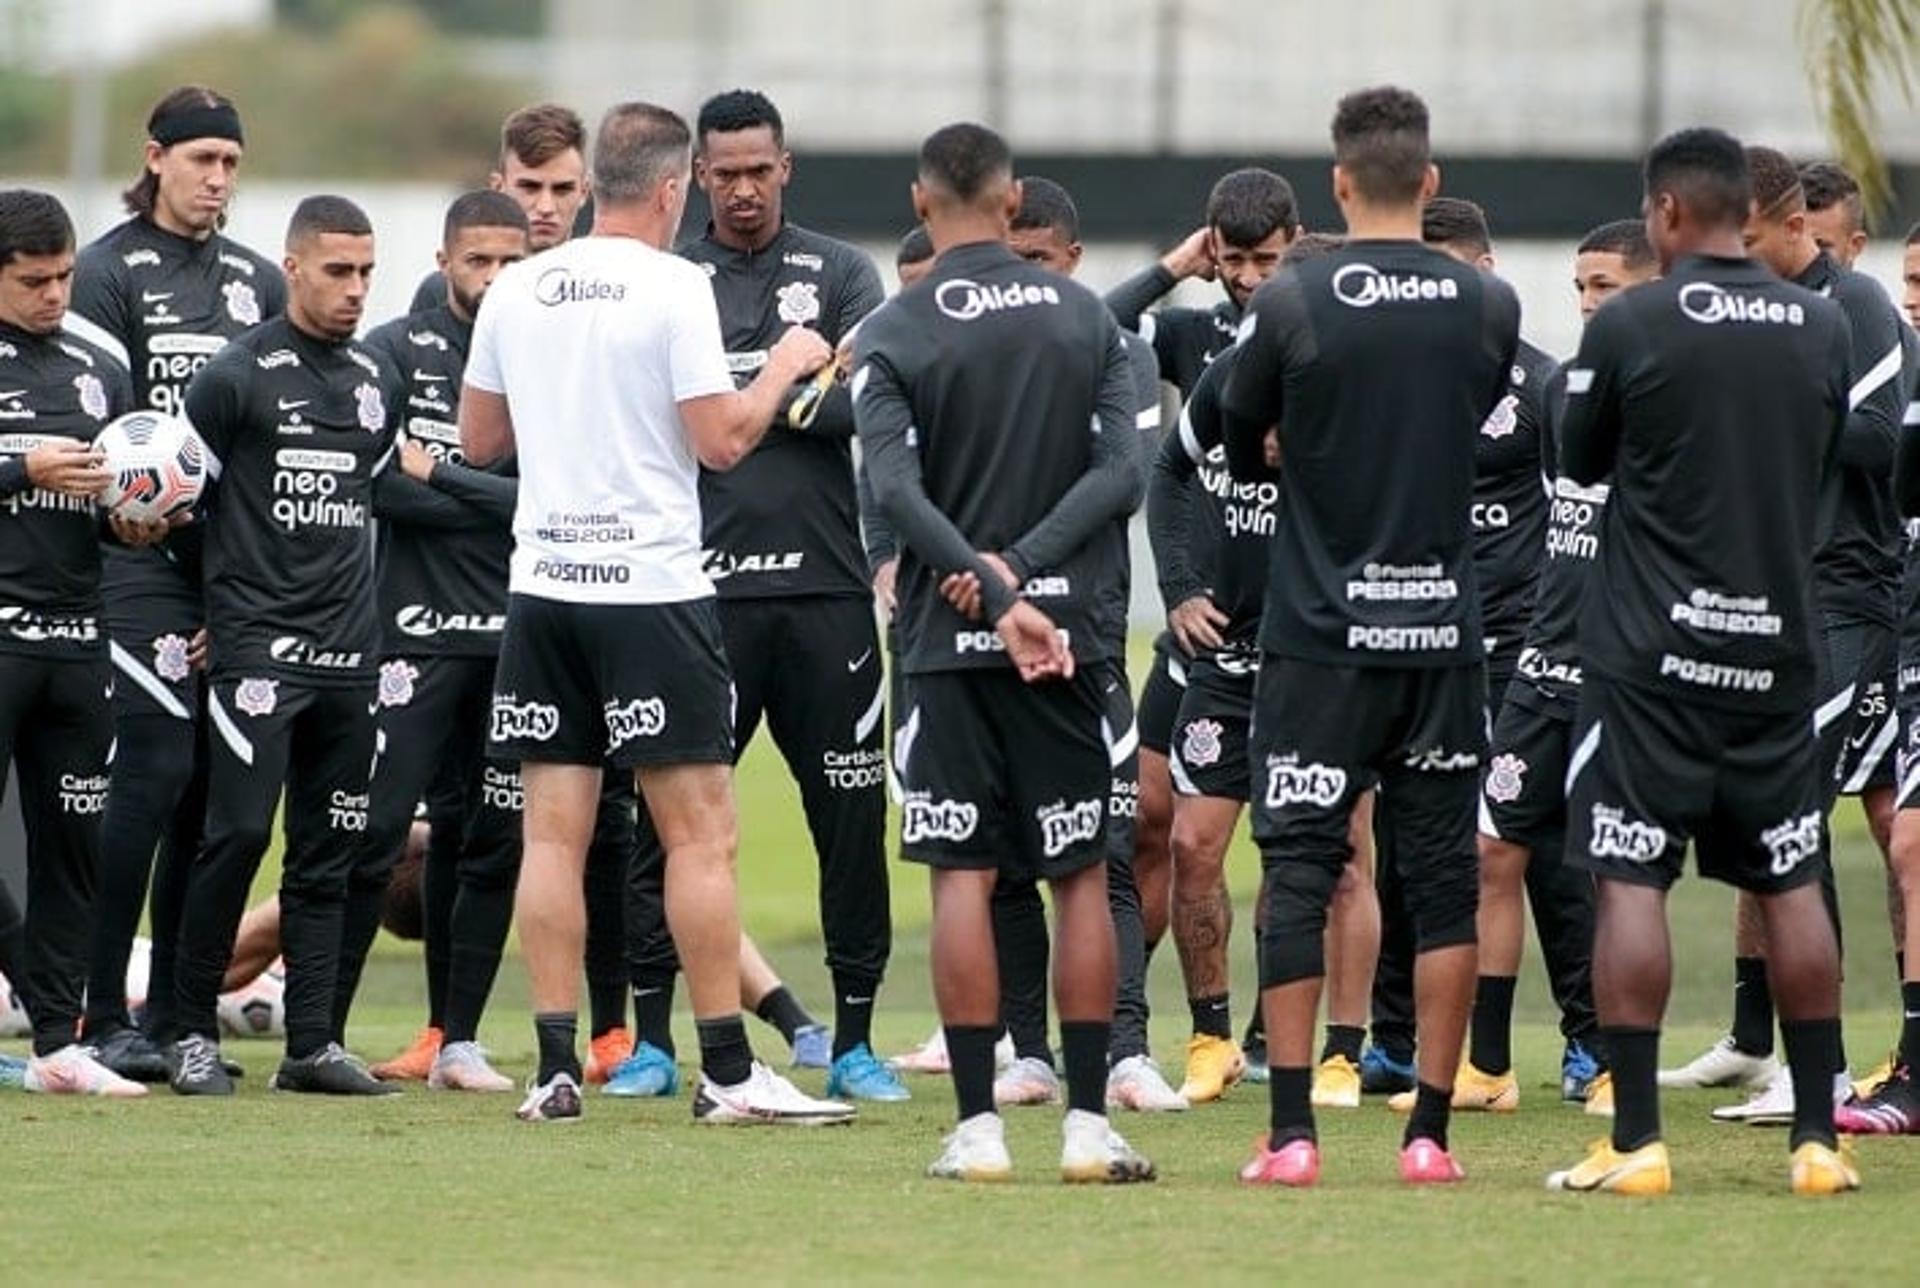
[(1027, 1081), (929, 1057), (765, 1097), (1773, 1106), (462, 1066), (1722, 1065), (976, 1150), (1092, 1152), (72, 1071), (557, 1100), (1136, 1083)]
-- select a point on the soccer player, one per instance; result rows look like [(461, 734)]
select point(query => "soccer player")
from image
[(1716, 401), (783, 545), (543, 167), (1510, 517), (996, 407), (1045, 231), (1893, 1107), (445, 539), (1371, 660), (298, 419), (1208, 756), (1836, 215), (601, 362), (56, 724), (162, 292), (1856, 579), (1251, 218)]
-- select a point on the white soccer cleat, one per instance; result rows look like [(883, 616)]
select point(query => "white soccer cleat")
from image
[(1136, 1083), (1772, 1106), (1093, 1153), (1027, 1081), (765, 1097), (976, 1150), (929, 1057), (72, 1071), (462, 1066), (1722, 1065)]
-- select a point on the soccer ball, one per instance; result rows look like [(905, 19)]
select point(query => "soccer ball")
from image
[(257, 1009), (158, 463), (13, 1015)]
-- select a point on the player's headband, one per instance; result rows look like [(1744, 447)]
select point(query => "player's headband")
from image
[(198, 121)]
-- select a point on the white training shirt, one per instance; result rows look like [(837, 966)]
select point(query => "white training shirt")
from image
[(593, 343)]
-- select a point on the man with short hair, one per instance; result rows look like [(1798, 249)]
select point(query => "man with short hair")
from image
[(56, 721), (1698, 638), (163, 291), (1836, 215), (1510, 519), (298, 419), (445, 540), (1856, 580), (1251, 219), (994, 369), (543, 167), (601, 363), (1378, 362)]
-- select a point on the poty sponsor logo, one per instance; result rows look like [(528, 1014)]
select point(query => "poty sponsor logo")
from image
[(1362, 286), (1792, 842), (964, 300), (1291, 783), (1711, 304), (923, 819), (559, 286), (522, 721), (640, 718), (1063, 825), (1615, 836)]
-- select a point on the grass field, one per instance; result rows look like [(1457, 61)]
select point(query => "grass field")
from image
[(425, 1187)]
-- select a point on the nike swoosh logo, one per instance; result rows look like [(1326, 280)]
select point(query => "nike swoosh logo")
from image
[(289, 404), (1910, 1015), (857, 1001), (426, 377), (154, 297), (859, 662)]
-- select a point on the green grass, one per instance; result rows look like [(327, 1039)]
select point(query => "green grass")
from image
[(441, 1188)]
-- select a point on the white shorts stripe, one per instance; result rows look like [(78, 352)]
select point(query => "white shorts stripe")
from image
[(229, 732), (903, 742), (1487, 826), (1909, 782), (1177, 671), (1181, 782), (875, 709), (1577, 764), (148, 683), (1832, 709), (1118, 752)]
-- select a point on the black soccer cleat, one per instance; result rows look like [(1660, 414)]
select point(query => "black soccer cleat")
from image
[(196, 1068), (330, 1071), (132, 1055)]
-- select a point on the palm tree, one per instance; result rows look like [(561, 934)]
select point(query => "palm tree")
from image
[(1852, 47)]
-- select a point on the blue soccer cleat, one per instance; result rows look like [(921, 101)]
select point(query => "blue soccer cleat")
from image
[(1578, 1069), (13, 1071), (649, 1071), (861, 1075), (812, 1047), (1382, 1075)]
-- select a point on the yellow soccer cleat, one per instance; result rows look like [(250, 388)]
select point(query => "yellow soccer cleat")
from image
[(1213, 1065), (1600, 1096), (1336, 1084), (1864, 1088), (1818, 1170), (1641, 1173), (1492, 1093)]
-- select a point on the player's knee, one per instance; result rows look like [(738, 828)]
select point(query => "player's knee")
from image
[(1297, 895), (1197, 856), (1503, 866)]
